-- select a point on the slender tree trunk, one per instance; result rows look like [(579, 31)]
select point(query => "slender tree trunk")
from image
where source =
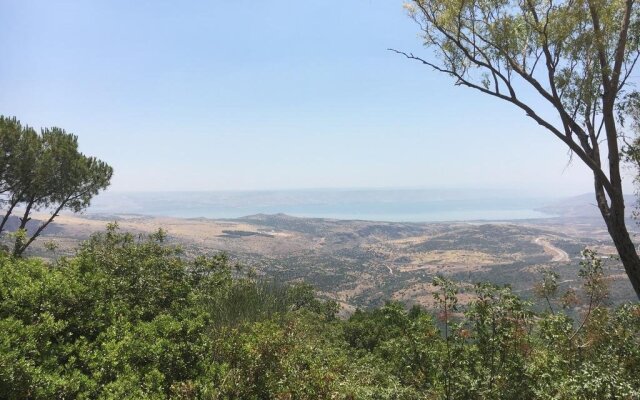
[(614, 218), (614, 215), (25, 218), (23, 225), (628, 254), (8, 214), (19, 251)]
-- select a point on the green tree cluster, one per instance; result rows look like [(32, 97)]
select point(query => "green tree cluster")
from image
[(132, 317), (43, 172)]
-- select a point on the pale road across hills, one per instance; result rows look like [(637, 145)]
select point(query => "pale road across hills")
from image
[(558, 255)]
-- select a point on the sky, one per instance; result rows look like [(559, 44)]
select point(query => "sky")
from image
[(246, 95)]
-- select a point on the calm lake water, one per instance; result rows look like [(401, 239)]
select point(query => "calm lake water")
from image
[(419, 205)]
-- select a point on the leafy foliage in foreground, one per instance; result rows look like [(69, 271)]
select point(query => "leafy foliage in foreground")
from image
[(130, 317)]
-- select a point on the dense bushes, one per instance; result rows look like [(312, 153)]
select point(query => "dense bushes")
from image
[(130, 317)]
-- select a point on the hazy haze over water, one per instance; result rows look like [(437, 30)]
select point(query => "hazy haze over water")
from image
[(407, 205)]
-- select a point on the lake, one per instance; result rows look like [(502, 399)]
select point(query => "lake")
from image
[(402, 205)]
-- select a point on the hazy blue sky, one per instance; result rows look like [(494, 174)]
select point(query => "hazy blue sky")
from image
[(217, 95)]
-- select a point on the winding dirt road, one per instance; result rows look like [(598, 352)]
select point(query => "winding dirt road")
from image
[(558, 255)]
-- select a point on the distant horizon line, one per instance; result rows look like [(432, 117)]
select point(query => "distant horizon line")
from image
[(348, 189)]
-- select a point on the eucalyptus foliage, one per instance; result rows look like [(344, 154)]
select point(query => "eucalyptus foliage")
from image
[(567, 64)]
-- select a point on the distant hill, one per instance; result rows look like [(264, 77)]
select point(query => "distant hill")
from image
[(583, 206), (13, 222), (398, 205)]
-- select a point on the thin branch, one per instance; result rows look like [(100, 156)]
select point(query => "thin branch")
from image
[(528, 110)]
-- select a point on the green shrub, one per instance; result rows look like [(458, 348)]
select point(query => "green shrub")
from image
[(131, 317)]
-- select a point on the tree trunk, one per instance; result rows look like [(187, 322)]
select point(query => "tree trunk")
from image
[(628, 255), (615, 221), (23, 226), (18, 252), (8, 214)]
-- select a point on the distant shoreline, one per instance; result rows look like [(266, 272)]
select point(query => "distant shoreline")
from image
[(367, 205), (131, 216)]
